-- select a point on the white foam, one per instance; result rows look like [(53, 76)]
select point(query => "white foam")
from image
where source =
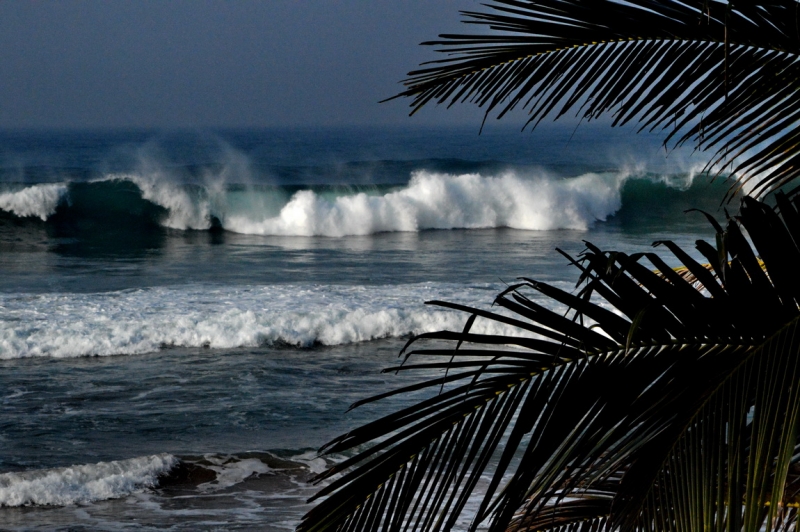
[(443, 201), (83, 483), (184, 209), (536, 201), (232, 471), (187, 208), (429, 201), (314, 462), (146, 320), (34, 201)]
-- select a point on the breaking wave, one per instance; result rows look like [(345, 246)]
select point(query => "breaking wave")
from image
[(148, 320), (80, 484), (37, 201), (206, 474), (438, 201), (428, 201)]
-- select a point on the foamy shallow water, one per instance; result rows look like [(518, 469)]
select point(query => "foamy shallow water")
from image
[(102, 435), (148, 320), (252, 492), (248, 491)]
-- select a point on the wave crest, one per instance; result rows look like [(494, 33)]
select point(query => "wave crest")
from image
[(443, 201), (80, 484), (39, 201), (186, 208), (429, 201)]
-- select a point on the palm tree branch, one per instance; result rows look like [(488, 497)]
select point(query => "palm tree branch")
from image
[(565, 417), (695, 68)]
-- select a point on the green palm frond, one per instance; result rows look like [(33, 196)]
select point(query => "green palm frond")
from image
[(723, 75), (644, 402)]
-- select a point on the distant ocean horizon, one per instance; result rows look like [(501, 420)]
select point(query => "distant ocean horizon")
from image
[(185, 316)]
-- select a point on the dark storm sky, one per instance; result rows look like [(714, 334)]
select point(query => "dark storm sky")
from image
[(206, 63)]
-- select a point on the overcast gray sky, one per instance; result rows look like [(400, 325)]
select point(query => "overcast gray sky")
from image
[(206, 63)]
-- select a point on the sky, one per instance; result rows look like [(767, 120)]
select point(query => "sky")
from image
[(217, 63)]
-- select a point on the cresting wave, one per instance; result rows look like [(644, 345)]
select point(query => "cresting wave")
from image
[(428, 201), (147, 320), (84, 483), (438, 201), (37, 201)]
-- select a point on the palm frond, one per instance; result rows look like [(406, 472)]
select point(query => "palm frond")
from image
[(690, 278), (643, 402), (723, 75)]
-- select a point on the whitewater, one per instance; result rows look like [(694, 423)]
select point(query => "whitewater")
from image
[(429, 201), (186, 317), (148, 320)]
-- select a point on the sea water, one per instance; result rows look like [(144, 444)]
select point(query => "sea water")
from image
[(186, 316)]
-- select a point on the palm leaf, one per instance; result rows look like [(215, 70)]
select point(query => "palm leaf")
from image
[(722, 75), (648, 402), (688, 276)]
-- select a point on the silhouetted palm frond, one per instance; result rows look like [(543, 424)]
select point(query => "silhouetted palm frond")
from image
[(723, 75), (641, 401)]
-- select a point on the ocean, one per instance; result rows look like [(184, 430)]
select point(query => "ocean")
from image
[(186, 316)]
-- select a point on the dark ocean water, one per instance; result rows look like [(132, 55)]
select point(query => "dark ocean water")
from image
[(220, 298)]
